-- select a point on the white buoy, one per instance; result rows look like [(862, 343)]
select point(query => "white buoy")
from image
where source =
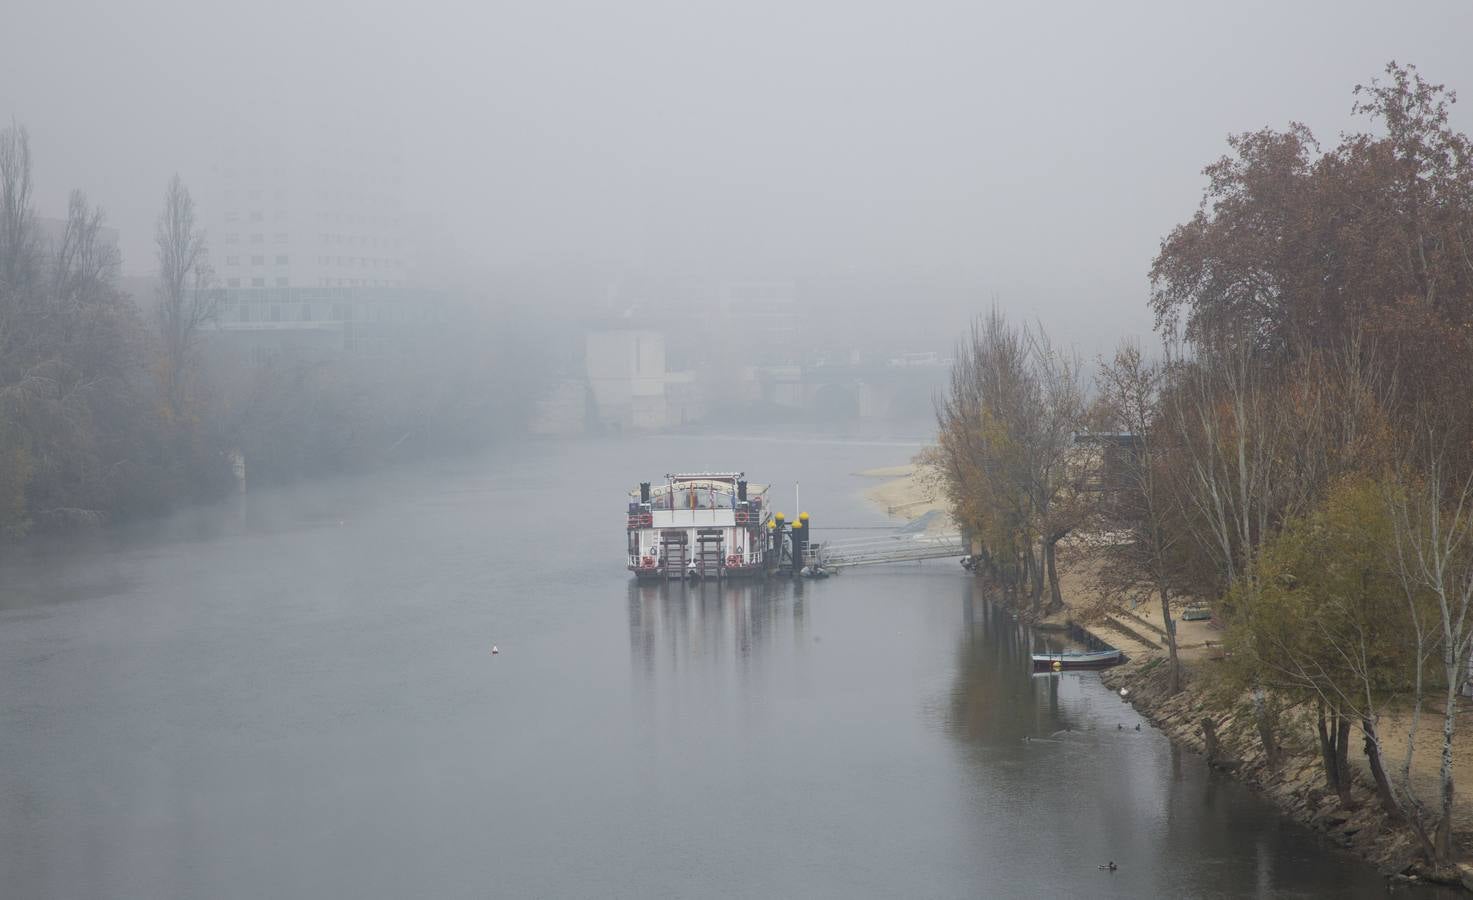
[(494, 651), (1124, 692)]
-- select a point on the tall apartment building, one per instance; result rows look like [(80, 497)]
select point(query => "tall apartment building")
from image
[(311, 217), (310, 245)]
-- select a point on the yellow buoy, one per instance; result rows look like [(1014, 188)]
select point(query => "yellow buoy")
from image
[(779, 516), (803, 516)]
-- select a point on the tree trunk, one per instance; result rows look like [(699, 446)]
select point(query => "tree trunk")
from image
[(1020, 578), (1334, 735), (1327, 751), (1342, 758), (1266, 722), (1036, 580), (1056, 596), (1444, 837), (1170, 624), (1209, 737), (1373, 756)]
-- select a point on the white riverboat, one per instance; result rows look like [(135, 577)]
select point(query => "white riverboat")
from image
[(699, 525)]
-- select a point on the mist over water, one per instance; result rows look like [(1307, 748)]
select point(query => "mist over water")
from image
[(296, 697), (332, 338)]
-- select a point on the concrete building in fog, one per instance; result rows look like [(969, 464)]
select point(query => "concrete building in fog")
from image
[(333, 218), (630, 386), (310, 244), (626, 375), (763, 314), (263, 326)]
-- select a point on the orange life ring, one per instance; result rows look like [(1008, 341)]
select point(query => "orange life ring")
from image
[(742, 517), (648, 562), (733, 561)]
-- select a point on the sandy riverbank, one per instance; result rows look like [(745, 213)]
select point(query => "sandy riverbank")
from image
[(909, 492)]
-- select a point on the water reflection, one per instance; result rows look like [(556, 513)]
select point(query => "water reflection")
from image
[(1066, 746), (996, 698), (676, 626), (307, 708)]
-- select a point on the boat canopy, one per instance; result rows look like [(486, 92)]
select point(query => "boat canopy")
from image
[(687, 483)]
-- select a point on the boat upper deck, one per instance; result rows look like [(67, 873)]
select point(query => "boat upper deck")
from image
[(705, 499)]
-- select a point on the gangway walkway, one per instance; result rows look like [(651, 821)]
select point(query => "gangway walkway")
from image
[(834, 555)]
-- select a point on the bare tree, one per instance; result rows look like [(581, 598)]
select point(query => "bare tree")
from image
[(1433, 518), (1057, 466), (85, 264), (1141, 507), (983, 470), (186, 301), (1006, 451), (18, 237), (1225, 422)]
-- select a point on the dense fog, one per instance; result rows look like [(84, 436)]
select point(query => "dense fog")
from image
[(401, 404), (425, 226), (952, 152)]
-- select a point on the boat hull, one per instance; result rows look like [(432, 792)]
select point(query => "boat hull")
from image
[(658, 574), (1057, 662)]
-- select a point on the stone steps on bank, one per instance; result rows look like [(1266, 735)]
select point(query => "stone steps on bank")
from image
[(1141, 642), (1156, 631)]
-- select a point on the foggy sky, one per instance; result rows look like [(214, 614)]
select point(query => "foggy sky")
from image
[(1035, 153)]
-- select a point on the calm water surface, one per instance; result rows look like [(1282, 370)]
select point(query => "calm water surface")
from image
[(296, 698)]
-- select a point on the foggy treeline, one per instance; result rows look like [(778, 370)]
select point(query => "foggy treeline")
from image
[(111, 405), (1298, 452)]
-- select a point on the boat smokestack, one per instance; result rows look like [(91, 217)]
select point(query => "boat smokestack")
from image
[(644, 492), (741, 490)]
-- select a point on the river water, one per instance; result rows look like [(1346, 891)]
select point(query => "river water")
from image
[(294, 696)]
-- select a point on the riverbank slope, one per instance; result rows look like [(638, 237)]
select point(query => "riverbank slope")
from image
[(1296, 783)]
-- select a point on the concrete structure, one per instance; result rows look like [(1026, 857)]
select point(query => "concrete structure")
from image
[(626, 374), (563, 412), (842, 392), (630, 386), (263, 325), (760, 314)]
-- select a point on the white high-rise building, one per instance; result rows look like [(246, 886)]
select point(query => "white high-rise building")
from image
[(307, 216)]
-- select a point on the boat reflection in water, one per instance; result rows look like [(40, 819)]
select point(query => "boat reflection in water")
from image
[(678, 628)]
